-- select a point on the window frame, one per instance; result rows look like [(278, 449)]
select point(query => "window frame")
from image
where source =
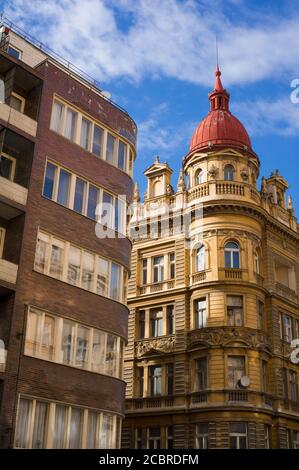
[(22, 101), (13, 167)]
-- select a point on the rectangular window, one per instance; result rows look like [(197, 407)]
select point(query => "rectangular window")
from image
[(267, 434), (23, 421), (80, 192), (265, 378), (235, 310), (82, 346), (287, 328), (7, 167), (144, 271), (236, 370), (97, 143), (110, 150), (88, 266), (202, 436), (107, 210), (154, 438), (63, 187), (169, 437), (57, 116), (138, 438), (169, 379), (91, 441), (158, 268), (120, 216), (93, 197), (85, 133), (41, 261), (60, 427), (17, 102), (155, 380), (103, 277), (111, 355), (76, 424), (98, 351), (74, 265), (71, 124), (67, 342), (56, 258), (171, 265), (295, 439), (201, 374), (141, 316), (140, 381), (13, 52), (292, 376), (170, 319), (238, 435), (39, 426), (200, 313), (115, 282), (50, 176), (122, 156), (156, 322)]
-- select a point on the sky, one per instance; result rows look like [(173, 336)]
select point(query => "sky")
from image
[(157, 59)]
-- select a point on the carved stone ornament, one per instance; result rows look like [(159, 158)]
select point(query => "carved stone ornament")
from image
[(158, 345), (213, 171), (244, 174), (227, 336)]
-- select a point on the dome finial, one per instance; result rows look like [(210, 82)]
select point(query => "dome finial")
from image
[(218, 84)]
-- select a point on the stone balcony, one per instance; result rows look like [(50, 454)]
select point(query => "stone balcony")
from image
[(156, 287), (18, 119), (13, 191), (286, 292), (8, 271), (224, 189)]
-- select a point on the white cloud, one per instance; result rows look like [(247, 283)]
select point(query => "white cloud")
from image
[(267, 117), (173, 38)]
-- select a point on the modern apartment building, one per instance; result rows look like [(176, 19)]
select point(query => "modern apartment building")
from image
[(213, 307), (66, 167)]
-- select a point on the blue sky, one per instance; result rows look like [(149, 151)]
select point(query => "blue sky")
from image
[(157, 59)]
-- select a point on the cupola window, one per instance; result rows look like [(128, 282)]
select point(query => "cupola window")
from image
[(199, 177), (232, 255)]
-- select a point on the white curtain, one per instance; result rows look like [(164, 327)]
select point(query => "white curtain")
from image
[(40, 420), (22, 437), (76, 428), (91, 430), (60, 426)]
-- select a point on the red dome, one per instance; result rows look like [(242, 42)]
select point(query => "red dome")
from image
[(219, 127)]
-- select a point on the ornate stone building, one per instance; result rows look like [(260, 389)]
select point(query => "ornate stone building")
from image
[(214, 308)]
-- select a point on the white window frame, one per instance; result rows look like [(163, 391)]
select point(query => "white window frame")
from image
[(13, 168)]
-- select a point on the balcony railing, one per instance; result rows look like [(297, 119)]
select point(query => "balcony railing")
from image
[(157, 287), (230, 188), (201, 276), (149, 403), (199, 191), (199, 397), (13, 191), (237, 396), (285, 291), (8, 271), (18, 119), (230, 273)]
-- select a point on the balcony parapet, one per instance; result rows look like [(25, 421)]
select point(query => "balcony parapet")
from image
[(285, 291), (147, 346), (18, 119), (8, 271), (13, 191), (156, 287)]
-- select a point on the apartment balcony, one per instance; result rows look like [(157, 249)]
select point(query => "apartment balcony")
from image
[(227, 274), (231, 397), (156, 287), (16, 155), (286, 292), (8, 271), (20, 92), (150, 403)]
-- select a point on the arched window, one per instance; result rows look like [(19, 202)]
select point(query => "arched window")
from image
[(232, 255), (199, 177), (200, 258), (229, 173)]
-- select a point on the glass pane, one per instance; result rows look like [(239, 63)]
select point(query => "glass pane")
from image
[(103, 277), (60, 427), (6, 168), (228, 263), (82, 348), (91, 430), (22, 435), (98, 351), (33, 333), (92, 202), (13, 52), (88, 270), (122, 156), (47, 338), (85, 133), (111, 355), (70, 126), (107, 438), (63, 187), (41, 256), (49, 180), (236, 262), (74, 262), (110, 151), (57, 112), (107, 210), (76, 428), (80, 191), (67, 342), (115, 282), (97, 140), (40, 423), (56, 260)]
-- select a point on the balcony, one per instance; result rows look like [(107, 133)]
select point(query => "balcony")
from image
[(8, 271), (286, 292), (17, 119), (156, 287), (20, 91), (149, 403), (16, 155), (219, 189), (226, 274)]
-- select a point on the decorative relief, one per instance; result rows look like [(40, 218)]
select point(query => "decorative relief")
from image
[(225, 336), (155, 345), (244, 174)]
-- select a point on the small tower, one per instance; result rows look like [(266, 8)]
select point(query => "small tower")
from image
[(158, 180), (277, 187)]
